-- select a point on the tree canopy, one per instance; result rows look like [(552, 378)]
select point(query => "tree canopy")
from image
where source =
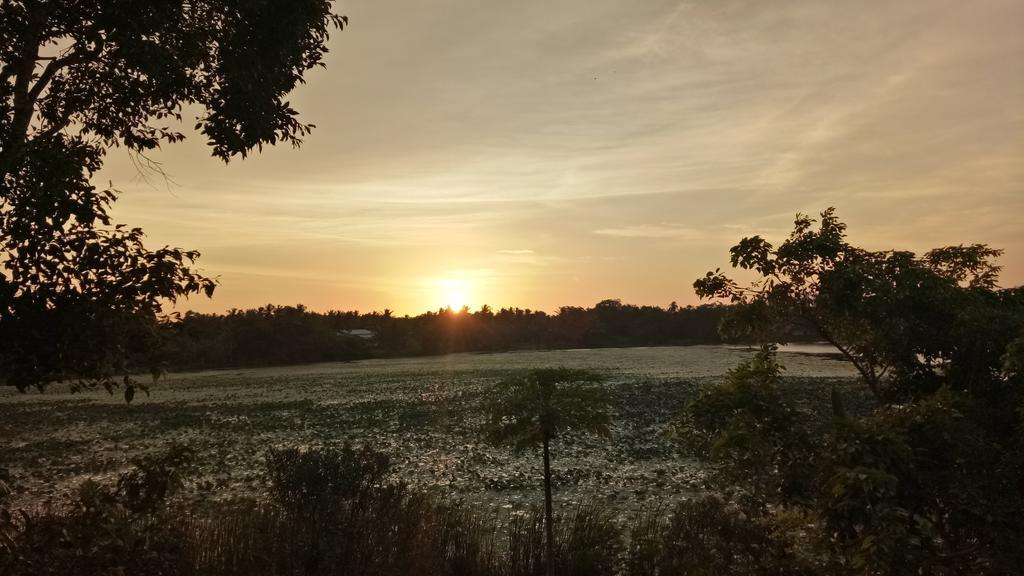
[(897, 316), (79, 295), (533, 408), (926, 480)]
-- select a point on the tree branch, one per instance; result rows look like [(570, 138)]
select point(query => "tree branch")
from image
[(7, 71), (23, 104), (869, 376), (53, 129), (23, 69), (44, 79), (74, 56), (26, 95)]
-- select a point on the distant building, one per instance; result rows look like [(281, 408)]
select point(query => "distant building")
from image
[(358, 333)]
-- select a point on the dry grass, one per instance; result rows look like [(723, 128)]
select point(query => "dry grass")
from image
[(333, 512)]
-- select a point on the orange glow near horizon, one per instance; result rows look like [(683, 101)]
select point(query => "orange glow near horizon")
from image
[(538, 156)]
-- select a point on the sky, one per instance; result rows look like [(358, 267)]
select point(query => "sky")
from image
[(540, 154)]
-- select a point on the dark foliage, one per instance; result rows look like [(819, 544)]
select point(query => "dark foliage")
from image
[(311, 479), (710, 536), (533, 408), (750, 429), (125, 528), (371, 526), (930, 480), (530, 409), (909, 324), (153, 479), (275, 335), (81, 298), (364, 524)]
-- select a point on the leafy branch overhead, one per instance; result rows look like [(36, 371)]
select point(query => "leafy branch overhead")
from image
[(79, 296), (118, 75)]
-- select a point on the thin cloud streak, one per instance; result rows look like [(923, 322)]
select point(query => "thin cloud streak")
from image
[(608, 135)]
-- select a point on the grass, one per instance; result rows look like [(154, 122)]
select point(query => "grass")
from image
[(333, 512)]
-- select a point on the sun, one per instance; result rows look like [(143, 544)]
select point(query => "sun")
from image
[(453, 292)]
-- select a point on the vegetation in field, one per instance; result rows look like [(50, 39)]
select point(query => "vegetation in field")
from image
[(533, 408), (425, 413), (332, 512)]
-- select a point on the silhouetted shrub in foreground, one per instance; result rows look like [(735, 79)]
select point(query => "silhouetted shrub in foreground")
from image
[(124, 529), (333, 512), (392, 531), (710, 536)]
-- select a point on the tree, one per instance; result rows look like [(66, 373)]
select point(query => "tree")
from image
[(926, 481), (80, 297), (895, 316), (1013, 360), (535, 407)]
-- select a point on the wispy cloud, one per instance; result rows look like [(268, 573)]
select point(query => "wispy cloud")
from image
[(555, 142), (651, 231)]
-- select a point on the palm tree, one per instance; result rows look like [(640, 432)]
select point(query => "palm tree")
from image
[(532, 408)]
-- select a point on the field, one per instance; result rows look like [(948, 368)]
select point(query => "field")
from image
[(422, 411)]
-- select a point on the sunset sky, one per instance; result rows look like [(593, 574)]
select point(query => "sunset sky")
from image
[(538, 154)]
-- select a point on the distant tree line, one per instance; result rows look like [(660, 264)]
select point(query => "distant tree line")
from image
[(274, 335)]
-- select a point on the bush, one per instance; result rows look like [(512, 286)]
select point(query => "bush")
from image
[(748, 428), (107, 530), (146, 487), (339, 514), (334, 512), (710, 537), (7, 525), (312, 479), (923, 488)]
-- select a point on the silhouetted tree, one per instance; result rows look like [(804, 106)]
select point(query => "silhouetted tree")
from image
[(290, 335), (929, 481), (892, 314), (80, 297), (534, 408)]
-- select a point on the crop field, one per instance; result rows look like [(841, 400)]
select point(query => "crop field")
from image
[(423, 412)]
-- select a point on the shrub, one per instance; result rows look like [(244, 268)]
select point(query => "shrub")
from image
[(922, 488), (154, 478), (587, 542), (311, 479), (748, 428), (647, 529), (709, 537), (388, 531), (7, 525), (107, 530)]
